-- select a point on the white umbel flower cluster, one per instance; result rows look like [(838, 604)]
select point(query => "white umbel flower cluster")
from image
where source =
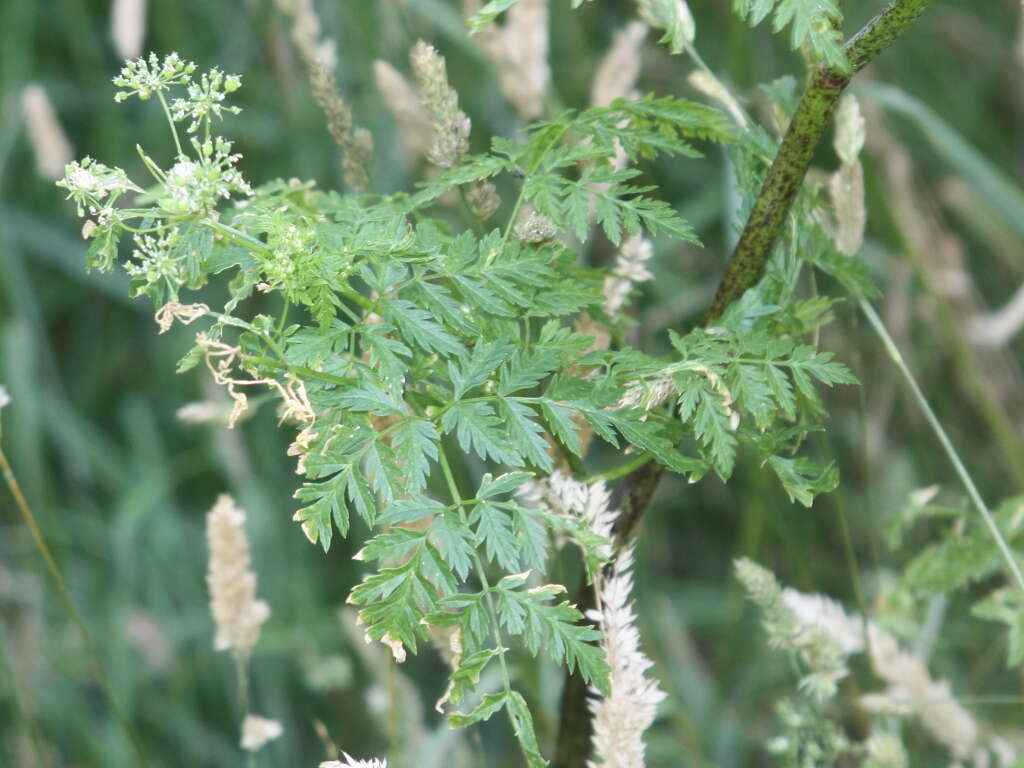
[(621, 718), (236, 611)]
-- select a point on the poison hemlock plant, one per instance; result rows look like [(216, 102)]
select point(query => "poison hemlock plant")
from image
[(401, 343)]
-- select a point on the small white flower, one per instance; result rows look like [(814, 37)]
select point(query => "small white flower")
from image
[(257, 731), (5, 399), (351, 762)]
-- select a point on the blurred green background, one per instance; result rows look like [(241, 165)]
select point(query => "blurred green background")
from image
[(121, 486)]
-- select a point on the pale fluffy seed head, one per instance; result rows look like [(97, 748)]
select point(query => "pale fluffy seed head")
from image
[(630, 269), (257, 731), (50, 145), (519, 50), (439, 99), (618, 71), (413, 122), (321, 59), (849, 137), (621, 718), (846, 188), (306, 31), (128, 27), (356, 143), (912, 689), (237, 613), (805, 622), (713, 88), (483, 199)]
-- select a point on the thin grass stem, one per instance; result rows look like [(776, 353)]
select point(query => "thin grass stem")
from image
[(69, 607), (944, 441)]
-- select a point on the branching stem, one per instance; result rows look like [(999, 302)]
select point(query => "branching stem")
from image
[(753, 250), (453, 488), (786, 175)]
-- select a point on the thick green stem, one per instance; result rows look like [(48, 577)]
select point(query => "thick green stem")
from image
[(754, 249), (786, 175)]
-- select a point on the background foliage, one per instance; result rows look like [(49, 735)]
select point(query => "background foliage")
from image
[(122, 486)]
